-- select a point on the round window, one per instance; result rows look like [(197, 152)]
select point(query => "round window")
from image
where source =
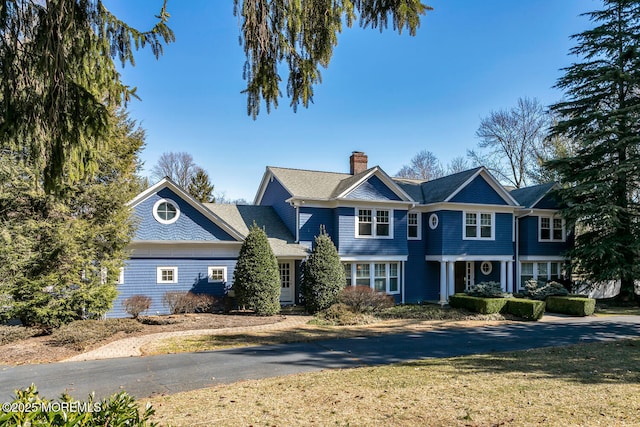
[(166, 211), (486, 267), (433, 221)]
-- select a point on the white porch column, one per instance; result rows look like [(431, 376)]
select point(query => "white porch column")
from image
[(503, 275), (443, 282), (510, 276), (450, 279)]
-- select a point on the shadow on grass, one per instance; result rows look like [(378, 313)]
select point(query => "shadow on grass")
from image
[(592, 363)]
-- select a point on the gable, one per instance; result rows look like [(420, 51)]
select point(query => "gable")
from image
[(480, 192), (547, 202), (372, 189), (191, 225)]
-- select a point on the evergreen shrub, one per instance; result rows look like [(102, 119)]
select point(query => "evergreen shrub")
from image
[(526, 308), (540, 290), (478, 304), (486, 290), (571, 305), (256, 280), (322, 275)]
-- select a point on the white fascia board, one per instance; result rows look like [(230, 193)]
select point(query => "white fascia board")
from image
[(372, 258), (185, 242), (556, 185), (542, 258), (263, 186), (349, 203), (168, 183), (386, 180), (475, 207), (453, 258), (492, 182)]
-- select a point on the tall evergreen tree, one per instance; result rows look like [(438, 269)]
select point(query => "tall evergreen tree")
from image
[(256, 279), (60, 257), (201, 188), (58, 82), (602, 114), (323, 276)]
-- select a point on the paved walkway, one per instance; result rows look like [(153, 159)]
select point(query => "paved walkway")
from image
[(128, 347)]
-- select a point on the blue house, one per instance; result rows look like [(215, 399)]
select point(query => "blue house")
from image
[(414, 240)]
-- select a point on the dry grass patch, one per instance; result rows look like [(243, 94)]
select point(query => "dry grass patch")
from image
[(588, 384)]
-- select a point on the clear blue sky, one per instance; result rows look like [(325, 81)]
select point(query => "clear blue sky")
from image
[(387, 95)]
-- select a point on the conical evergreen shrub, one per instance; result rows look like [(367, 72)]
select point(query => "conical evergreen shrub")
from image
[(256, 280), (323, 275)]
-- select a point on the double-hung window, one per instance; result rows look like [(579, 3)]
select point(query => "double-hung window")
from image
[(413, 226), (380, 276), (374, 223), (551, 229), (479, 225)]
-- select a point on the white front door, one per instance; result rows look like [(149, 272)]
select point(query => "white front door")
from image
[(286, 281)]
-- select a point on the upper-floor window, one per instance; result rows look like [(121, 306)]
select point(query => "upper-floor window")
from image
[(479, 225), (374, 223), (551, 229), (413, 225), (166, 211)]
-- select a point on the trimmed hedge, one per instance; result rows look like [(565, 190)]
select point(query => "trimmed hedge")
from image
[(574, 306), (526, 308), (477, 304)]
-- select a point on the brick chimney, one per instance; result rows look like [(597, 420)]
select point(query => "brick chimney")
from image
[(357, 162)]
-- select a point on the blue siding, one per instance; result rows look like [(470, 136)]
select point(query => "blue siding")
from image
[(528, 240), (479, 191), (420, 282), (373, 189), (140, 279), (446, 239), (191, 225), (349, 245), (310, 221), (275, 195), (494, 276)]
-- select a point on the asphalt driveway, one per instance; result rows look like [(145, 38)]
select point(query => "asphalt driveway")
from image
[(146, 376)]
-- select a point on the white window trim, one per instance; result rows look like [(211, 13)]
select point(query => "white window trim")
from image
[(551, 239), (536, 276), (120, 277), (216, 267), (490, 270), (434, 224), (418, 225), (159, 275), (164, 221), (478, 225), (372, 274), (374, 218)]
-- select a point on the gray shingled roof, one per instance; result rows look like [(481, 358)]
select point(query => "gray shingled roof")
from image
[(309, 184), (437, 190), (529, 196), (241, 217)]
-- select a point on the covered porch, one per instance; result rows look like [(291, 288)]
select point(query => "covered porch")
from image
[(459, 272)]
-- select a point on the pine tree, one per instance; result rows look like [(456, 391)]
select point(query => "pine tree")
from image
[(602, 114), (59, 82), (323, 275), (256, 280), (60, 256), (200, 187)]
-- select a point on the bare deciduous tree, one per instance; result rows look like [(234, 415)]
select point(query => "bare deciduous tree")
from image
[(511, 142), (457, 164), (179, 167), (424, 166)]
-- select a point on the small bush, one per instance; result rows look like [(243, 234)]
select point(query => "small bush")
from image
[(525, 308), (341, 315), (540, 290), (81, 333), (9, 334), (363, 299), (118, 410), (478, 304), (188, 302), (486, 290), (136, 304), (572, 306)]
